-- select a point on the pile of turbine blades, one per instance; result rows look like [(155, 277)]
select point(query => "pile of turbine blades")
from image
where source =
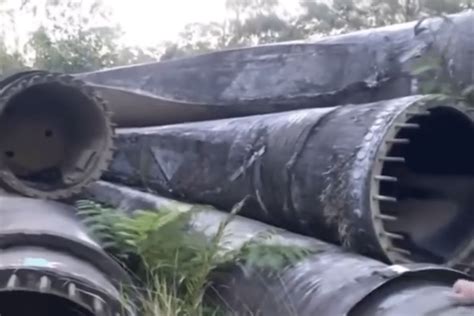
[(330, 282), (365, 176), (358, 67), (335, 143)]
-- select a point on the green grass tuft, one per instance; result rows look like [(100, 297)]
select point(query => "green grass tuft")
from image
[(173, 262)]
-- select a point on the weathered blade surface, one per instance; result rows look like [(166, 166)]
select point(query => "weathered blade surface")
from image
[(338, 174), (358, 67)]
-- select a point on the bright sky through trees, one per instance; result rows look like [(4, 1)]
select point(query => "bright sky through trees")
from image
[(84, 35), (147, 22), (151, 21)]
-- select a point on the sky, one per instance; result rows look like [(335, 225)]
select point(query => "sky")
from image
[(147, 22), (150, 21)]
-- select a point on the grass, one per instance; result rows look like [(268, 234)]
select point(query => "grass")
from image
[(173, 263)]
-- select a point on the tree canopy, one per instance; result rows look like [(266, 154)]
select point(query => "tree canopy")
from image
[(79, 35)]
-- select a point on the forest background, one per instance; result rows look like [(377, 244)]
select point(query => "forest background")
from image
[(78, 36)]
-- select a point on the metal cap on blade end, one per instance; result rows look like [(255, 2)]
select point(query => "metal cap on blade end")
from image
[(56, 135), (393, 179), (53, 225), (54, 283), (421, 204)]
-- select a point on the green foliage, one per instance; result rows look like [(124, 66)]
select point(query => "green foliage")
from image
[(339, 16), (79, 37), (432, 68), (172, 258), (254, 22), (11, 59), (250, 22), (106, 224), (438, 7), (71, 36), (76, 36), (81, 51), (10, 62), (174, 261)]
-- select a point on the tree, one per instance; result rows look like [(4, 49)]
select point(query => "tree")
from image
[(71, 36), (326, 18), (253, 22), (11, 59), (76, 36), (79, 36), (249, 22), (80, 50), (339, 16), (9, 62)]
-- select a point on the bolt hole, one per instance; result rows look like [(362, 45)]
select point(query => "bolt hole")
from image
[(48, 133), (9, 154)]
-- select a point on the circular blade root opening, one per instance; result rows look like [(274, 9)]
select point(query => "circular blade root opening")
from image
[(52, 136), (431, 214)]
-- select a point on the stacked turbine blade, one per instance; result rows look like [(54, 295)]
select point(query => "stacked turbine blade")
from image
[(342, 174), (329, 282), (360, 67)]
